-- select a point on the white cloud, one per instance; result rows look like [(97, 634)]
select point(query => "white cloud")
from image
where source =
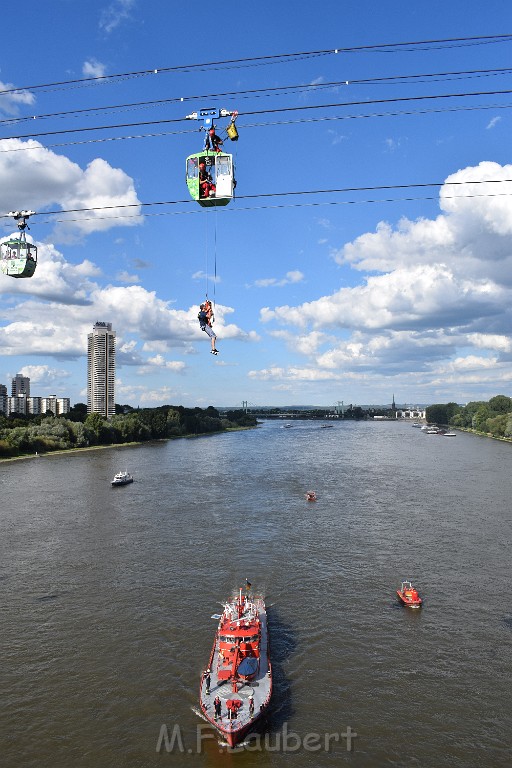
[(10, 102), (43, 375), (292, 374), (33, 176), (336, 137), (125, 277), (158, 361), (442, 297), (294, 276), (57, 308), (114, 14), (93, 68), (419, 297), (492, 123), (200, 275), (472, 235)]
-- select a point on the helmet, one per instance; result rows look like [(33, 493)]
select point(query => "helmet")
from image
[(202, 165)]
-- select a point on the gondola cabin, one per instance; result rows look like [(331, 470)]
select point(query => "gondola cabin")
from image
[(18, 258), (211, 178)]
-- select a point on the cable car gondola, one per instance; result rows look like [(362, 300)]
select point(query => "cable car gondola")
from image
[(210, 174), (211, 178), (17, 257)]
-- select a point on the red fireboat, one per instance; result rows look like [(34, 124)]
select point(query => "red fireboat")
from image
[(408, 595), (236, 686)]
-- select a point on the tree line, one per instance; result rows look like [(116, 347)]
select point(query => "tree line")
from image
[(78, 429), (492, 417)]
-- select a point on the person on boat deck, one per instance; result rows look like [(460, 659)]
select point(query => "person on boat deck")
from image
[(212, 140), (206, 185), (207, 680), (206, 319), (218, 707), (251, 706)]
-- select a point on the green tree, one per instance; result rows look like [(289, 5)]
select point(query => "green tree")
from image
[(78, 412), (93, 425), (479, 420), (497, 425), (500, 404)]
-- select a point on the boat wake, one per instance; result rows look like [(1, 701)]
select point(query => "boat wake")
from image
[(198, 712)]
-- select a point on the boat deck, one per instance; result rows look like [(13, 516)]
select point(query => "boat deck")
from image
[(260, 688)]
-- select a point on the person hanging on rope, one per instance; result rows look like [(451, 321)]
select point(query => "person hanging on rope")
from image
[(212, 140), (206, 319)]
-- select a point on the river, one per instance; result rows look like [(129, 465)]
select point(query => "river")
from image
[(107, 595)]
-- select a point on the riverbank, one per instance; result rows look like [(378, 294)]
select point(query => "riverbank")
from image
[(484, 434), (62, 451)]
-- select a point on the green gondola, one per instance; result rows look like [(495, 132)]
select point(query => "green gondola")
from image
[(211, 184), (17, 257)]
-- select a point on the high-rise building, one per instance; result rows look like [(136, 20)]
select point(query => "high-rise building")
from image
[(20, 385), (101, 370), (3, 399), (17, 404)]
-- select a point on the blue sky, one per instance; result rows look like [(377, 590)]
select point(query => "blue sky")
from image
[(320, 297)]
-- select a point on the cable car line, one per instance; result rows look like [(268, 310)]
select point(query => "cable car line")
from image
[(259, 92), (271, 111), (420, 185), (160, 134), (194, 211), (454, 42)]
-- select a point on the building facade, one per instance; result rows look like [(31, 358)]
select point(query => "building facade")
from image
[(101, 370), (17, 404), (3, 399), (22, 403), (20, 385)]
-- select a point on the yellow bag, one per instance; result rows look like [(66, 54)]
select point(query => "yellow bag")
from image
[(232, 132)]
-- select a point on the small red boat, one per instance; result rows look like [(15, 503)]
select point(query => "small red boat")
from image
[(236, 687), (408, 595), (311, 496)]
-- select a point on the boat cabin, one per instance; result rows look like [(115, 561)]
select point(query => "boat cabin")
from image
[(239, 647)]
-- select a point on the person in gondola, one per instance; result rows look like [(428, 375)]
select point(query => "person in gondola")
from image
[(212, 141), (206, 318), (206, 185)]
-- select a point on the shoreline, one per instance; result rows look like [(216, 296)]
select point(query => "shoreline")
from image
[(60, 452)]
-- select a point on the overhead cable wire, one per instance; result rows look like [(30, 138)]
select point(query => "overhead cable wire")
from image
[(301, 108), (418, 185), (194, 211), (436, 44), (261, 92), (160, 134)]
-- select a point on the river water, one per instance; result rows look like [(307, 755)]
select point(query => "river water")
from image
[(107, 594)]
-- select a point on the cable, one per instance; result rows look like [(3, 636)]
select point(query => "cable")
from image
[(450, 42), (287, 205), (160, 134), (270, 111), (259, 92), (419, 185)]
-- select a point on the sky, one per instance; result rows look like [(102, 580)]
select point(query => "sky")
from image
[(367, 253)]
